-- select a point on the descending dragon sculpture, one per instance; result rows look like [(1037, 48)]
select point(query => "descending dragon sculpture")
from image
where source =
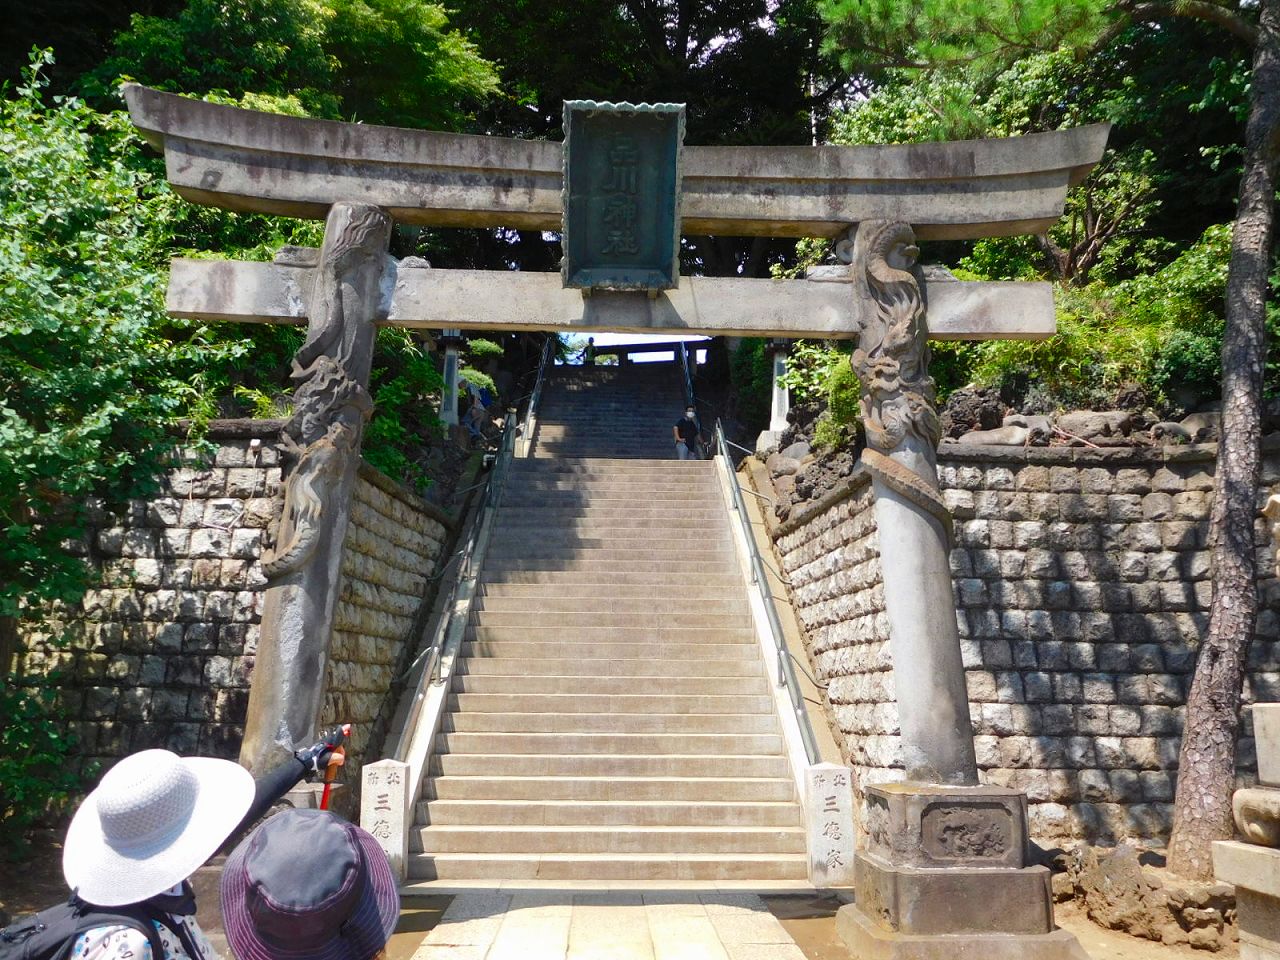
[(330, 405)]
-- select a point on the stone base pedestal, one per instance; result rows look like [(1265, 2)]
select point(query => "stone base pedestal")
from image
[(945, 876), (767, 440), (1255, 871), (867, 941)]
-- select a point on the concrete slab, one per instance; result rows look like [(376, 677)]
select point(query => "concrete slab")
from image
[(248, 292), (603, 924)]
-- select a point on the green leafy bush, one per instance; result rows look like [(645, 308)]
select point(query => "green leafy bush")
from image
[(479, 349), (37, 757), (810, 367), (752, 382), (477, 379), (406, 390), (91, 372), (383, 61)]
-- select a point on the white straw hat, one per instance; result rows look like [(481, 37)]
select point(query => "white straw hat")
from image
[(153, 819)]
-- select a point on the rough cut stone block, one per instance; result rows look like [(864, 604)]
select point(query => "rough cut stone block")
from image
[(386, 809), (1266, 733), (830, 825)]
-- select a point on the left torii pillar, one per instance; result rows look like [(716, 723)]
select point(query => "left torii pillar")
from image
[(331, 405)]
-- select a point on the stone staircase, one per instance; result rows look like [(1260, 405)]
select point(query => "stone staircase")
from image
[(610, 718), (619, 412)]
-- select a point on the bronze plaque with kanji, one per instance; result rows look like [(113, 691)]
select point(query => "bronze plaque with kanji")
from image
[(622, 195)]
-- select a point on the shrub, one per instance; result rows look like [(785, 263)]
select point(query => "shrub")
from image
[(479, 349), (39, 776), (752, 382)]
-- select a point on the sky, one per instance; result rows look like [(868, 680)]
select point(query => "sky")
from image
[(609, 339)]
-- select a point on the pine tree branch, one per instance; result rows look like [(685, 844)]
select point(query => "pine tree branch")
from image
[(1153, 10)]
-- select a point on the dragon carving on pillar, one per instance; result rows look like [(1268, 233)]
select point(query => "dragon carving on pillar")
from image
[(891, 360), (331, 405)]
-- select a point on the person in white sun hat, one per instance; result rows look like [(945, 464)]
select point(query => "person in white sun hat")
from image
[(151, 822)]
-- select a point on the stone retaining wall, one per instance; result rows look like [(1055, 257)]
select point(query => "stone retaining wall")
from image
[(160, 654), (1082, 585), (389, 555), (833, 563)]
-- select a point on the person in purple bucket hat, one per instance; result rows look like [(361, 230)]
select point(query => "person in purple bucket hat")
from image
[(306, 885)]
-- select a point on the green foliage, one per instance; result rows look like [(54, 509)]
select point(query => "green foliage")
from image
[(810, 367), (752, 381), (480, 380), (88, 384), (479, 349), (37, 756), (1160, 331), (839, 422), (985, 33), (406, 387), (382, 61)]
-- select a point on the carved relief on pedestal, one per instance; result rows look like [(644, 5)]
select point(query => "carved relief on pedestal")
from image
[(331, 405), (879, 837), (966, 832), (892, 360)]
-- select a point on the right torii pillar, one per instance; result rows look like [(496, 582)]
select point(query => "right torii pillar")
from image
[(945, 872)]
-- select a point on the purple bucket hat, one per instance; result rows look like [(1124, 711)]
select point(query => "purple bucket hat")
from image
[(308, 886)]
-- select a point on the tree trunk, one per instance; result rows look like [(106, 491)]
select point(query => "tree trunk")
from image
[(1206, 764)]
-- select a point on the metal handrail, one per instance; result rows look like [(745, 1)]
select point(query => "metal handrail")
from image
[(786, 670), (689, 398), (476, 542), (530, 412)]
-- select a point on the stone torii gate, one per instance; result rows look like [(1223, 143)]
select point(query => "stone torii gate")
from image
[(937, 837)]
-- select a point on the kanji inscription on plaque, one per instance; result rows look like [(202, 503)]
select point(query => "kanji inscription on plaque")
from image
[(622, 195)]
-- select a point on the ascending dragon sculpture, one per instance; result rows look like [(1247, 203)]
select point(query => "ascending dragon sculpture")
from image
[(892, 360)]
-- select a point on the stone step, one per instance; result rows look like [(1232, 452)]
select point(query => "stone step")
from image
[(681, 634), (553, 450), (681, 723), (569, 500), (574, 703), (641, 431), (633, 686), (747, 666), (604, 463), (674, 571), (655, 616), (665, 535), (492, 838), (693, 594), (610, 744), (605, 789), (534, 543), (616, 813), (616, 765), (658, 604), (609, 866), (639, 486), (667, 575), (603, 467), (746, 651), (634, 553), (636, 515)]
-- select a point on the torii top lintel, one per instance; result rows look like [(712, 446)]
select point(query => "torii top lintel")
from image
[(246, 160)]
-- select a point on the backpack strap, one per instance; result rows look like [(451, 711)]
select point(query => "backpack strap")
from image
[(135, 916)]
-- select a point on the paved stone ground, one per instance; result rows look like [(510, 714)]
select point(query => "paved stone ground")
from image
[(620, 925)]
